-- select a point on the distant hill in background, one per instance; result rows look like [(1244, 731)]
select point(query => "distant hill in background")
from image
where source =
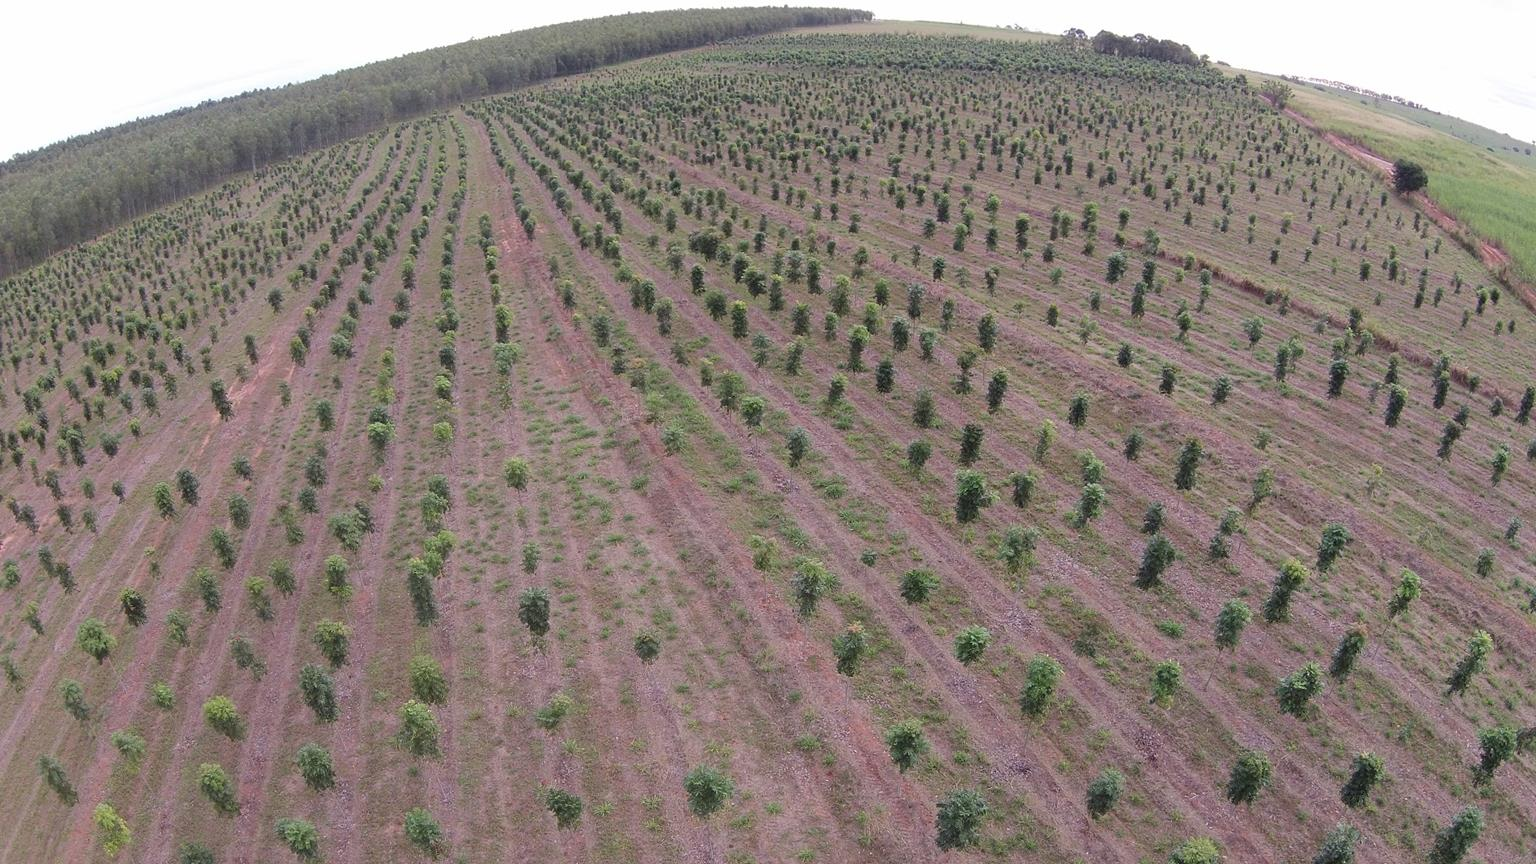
[(1524, 152)]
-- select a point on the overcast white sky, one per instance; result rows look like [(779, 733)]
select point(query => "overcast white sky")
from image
[(70, 68)]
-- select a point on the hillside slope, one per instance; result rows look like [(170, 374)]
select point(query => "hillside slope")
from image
[(1476, 175), (75, 189), (753, 409)]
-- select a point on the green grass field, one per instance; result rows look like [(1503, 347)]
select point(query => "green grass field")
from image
[(1507, 147)]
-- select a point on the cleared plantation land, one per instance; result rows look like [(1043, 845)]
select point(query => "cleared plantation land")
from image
[(647, 349)]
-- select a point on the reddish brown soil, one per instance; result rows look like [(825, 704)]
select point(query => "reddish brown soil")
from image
[(633, 537)]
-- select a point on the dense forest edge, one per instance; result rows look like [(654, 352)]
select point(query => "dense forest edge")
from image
[(71, 191)]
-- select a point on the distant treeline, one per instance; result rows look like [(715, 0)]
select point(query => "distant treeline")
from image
[(1360, 91), (74, 190), (1145, 47)]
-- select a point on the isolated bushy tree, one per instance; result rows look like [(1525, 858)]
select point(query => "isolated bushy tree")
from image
[(216, 786), (319, 692), (56, 779), (1104, 792), (997, 388), (1500, 463), (325, 414), (1484, 565), (918, 585), (301, 838), (565, 806), (1263, 487), (1188, 463), (336, 570), (1409, 587), (423, 831), (647, 647), (1496, 745), (554, 711), (1044, 440), (428, 683), (1297, 689), (1348, 653), (1338, 372), (1040, 680), (906, 743), (917, 455), (111, 829), (533, 610), (165, 502), (1221, 388), (1454, 840), (971, 495), (1090, 504), (1230, 524), (131, 746), (419, 730), (1527, 403), (135, 607), (922, 409), (971, 642), (92, 638), (958, 822), (708, 790), (1339, 846), (1166, 677), (1367, 771), (1397, 400), (1017, 549), (177, 627), (1168, 380), (281, 574), (1293, 574), (986, 332), (1471, 663), (515, 472), (1200, 850), (1234, 616), (1155, 560), (261, 602), (315, 766), (970, 444), (1253, 328), (1116, 264), (1023, 485), (849, 647), (221, 401), (798, 444), (1077, 410), (193, 853), (811, 582), (1408, 176), (1251, 774), (333, 638), (187, 485), (220, 714), (1335, 537)]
